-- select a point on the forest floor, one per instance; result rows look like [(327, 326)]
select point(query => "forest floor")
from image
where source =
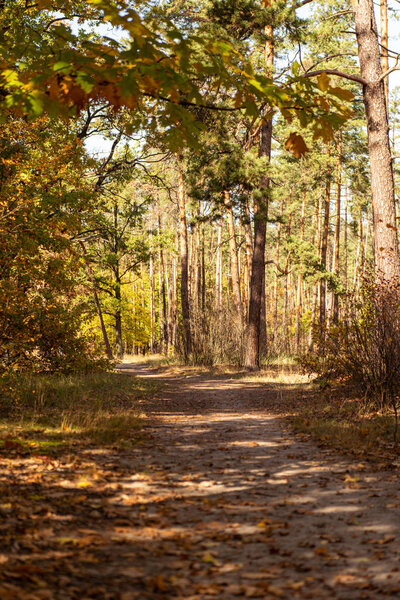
[(218, 499)]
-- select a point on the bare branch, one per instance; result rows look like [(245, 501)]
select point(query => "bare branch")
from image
[(331, 57), (356, 78), (394, 68)]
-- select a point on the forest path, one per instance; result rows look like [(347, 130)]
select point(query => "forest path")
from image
[(218, 500), (235, 506)]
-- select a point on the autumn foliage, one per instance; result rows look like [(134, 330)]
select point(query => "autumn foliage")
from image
[(42, 204)]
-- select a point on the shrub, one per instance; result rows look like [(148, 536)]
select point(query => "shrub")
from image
[(364, 347)]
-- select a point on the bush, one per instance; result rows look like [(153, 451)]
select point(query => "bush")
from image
[(364, 347), (217, 339)]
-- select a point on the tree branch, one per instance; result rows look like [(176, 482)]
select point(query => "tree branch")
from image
[(394, 68), (302, 3), (356, 78)]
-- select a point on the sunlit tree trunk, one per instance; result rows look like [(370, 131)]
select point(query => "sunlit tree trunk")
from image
[(387, 257), (97, 304), (384, 46)]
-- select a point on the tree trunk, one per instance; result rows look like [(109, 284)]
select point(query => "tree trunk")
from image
[(218, 269), (336, 257), (316, 287), (387, 258), (152, 300), (187, 336), (346, 244), (117, 290), (203, 265), (118, 316), (97, 304), (257, 281), (248, 236), (324, 246), (384, 47), (277, 258), (237, 300), (163, 296), (299, 283)]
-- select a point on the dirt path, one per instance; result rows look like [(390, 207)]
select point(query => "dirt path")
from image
[(257, 512), (218, 502)]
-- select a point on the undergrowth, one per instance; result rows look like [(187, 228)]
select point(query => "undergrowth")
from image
[(345, 423), (51, 411)]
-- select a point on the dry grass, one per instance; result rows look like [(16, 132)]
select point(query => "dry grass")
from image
[(342, 421), (154, 360), (53, 411)]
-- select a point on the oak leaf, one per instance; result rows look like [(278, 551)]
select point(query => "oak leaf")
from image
[(296, 144)]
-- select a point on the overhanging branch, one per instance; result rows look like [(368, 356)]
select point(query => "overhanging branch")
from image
[(356, 78)]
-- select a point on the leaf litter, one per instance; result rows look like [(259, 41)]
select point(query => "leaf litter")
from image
[(220, 501)]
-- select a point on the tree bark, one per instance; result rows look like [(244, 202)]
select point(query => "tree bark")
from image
[(384, 47), (277, 258), (336, 258), (387, 257), (117, 290), (218, 269), (324, 246), (248, 236), (152, 299), (163, 296), (237, 299), (299, 282), (257, 281), (187, 336), (97, 304)]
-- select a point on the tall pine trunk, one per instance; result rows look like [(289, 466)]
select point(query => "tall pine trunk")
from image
[(384, 46), (237, 300), (183, 245), (276, 287), (299, 283), (254, 337), (324, 245), (387, 257), (336, 257)]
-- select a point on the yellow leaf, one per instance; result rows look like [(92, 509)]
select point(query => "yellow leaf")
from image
[(323, 81), (208, 558)]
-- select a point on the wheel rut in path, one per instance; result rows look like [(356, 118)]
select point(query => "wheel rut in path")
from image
[(234, 506)]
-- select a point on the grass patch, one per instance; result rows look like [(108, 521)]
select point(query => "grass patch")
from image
[(47, 412), (289, 377), (342, 421), (153, 360)]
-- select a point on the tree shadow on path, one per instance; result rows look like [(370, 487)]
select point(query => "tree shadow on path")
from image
[(218, 502)]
